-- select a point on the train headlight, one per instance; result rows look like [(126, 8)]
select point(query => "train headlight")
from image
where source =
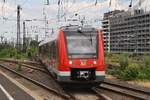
[(70, 62), (94, 62)]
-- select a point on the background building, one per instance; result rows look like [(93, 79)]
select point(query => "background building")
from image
[(129, 31), (106, 28)]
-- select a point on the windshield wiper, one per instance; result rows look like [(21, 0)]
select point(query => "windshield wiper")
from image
[(91, 39)]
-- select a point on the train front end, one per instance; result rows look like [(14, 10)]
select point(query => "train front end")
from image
[(81, 56)]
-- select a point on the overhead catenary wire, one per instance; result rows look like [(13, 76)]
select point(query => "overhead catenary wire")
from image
[(75, 11), (80, 9), (24, 3), (14, 11), (70, 12), (53, 19)]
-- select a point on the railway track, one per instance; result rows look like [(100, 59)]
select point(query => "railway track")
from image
[(120, 88), (27, 65), (64, 95), (35, 68), (40, 69), (43, 70), (20, 61), (126, 89), (100, 94)]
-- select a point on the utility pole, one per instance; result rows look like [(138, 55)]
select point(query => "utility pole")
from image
[(130, 4), (18, 29), (24, 36), (47, 2), (46, 22), (2, 37)]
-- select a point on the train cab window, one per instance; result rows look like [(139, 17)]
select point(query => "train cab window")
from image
[(81, 45)]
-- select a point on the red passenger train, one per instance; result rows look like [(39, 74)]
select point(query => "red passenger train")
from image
[(74, 55)]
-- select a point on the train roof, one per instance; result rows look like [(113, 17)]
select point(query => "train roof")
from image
[(76, 28), (49, 39)]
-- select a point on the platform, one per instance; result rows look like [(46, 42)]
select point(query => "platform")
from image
[(10, 91)]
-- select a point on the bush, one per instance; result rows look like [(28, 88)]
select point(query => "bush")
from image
[(18, 56), (32, 52), (4, 53), (144, 73), (8, 52), (147, 61), (123, 62), (13, 53), (137, 68), (130, 73)]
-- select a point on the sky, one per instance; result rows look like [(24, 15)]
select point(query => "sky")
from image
[(34, 9)]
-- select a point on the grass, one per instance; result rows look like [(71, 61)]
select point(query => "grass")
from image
[(128, 67), (12, 53)]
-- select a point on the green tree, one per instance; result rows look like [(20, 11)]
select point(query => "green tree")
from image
[(34, 43)]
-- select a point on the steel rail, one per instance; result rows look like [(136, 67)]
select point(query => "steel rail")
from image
[(35, 68), (64, 96), (44, 70), (127, 86), (100, 94), (19, 61), (29, 66), (129, 90), (73, 97)]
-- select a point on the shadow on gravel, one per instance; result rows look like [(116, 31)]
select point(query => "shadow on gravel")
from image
[(79, 88)]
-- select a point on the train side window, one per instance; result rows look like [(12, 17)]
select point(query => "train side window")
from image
[(44, 50), (54, 51), (56, 54), (51, 50), (47, 50), (40, 49)]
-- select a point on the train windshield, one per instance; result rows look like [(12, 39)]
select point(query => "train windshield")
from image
[(82, 46)]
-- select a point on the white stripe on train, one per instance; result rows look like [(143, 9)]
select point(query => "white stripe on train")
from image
[(67, 73), (100, 73)]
